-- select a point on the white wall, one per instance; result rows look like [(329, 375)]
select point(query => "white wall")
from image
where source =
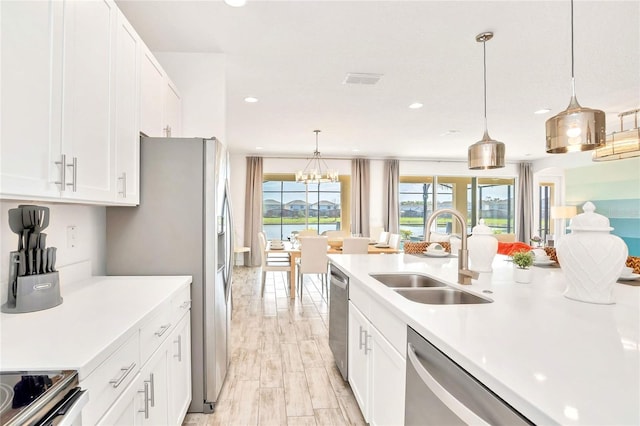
[(201, 81), (90, 230)]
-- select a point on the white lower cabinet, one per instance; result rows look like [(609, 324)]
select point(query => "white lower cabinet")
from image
[(376, 372), (160, 392)]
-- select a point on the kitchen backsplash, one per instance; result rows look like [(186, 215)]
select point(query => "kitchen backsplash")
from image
[(78, 231)]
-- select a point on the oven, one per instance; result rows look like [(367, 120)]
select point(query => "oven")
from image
[(41, 398)]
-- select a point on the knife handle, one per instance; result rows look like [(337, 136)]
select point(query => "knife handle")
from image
[(38, 261), (30, 262), (22, 264), (52, 265)]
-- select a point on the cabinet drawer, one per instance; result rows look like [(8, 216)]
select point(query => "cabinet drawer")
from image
[(110, 379), (180, 304), (155, 330)]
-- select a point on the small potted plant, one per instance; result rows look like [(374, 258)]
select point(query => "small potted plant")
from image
[(523, 260)]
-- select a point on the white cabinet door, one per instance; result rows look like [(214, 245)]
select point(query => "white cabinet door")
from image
[(179, 358), (358, 359), (172, 111), (123, 412), (88, 100), (153, 390), (31, 55), (152, 90), (387, 381), (127, 112)]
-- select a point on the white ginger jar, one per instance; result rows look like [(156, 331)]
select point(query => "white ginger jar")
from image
[(482, 246), (591, 258)]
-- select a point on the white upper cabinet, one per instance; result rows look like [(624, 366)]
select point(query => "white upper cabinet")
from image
[(161, 104), (127, 112), (31, 60), (88, 100)]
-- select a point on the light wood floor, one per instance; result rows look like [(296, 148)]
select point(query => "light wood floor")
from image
[(282, 371)]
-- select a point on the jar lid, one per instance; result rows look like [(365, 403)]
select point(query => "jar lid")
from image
[(589, 220), (481, 229)]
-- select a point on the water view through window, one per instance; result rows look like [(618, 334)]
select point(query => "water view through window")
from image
[(289, 206)]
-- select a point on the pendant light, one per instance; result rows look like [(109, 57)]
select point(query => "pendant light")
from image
[(486, 153), (622, 144), (316, 170), (576, 128)]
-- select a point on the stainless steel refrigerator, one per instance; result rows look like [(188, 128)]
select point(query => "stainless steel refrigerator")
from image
[(183, 226)]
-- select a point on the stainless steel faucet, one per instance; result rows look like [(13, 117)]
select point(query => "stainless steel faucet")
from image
[(465, 275)]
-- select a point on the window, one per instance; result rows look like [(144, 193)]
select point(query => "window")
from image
[(289, 206), (491, 199)]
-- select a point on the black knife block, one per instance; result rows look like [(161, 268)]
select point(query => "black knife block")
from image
[(34, 293)]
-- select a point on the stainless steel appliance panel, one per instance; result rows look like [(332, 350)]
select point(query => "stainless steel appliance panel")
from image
[(174, 232), (440, 392), (339, 318)]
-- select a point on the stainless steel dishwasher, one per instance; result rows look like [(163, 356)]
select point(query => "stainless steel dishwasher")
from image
[(339, 317), (440, 392)]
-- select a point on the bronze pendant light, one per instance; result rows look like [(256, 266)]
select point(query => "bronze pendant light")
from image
[(576, 128), (486, 153)]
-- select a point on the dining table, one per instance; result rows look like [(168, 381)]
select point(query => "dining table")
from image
[(293, 250)]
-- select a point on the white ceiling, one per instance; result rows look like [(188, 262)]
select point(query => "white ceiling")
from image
[(294, 55)]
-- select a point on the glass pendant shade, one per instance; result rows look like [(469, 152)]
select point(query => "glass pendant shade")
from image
[(575, 129), (486, 154)]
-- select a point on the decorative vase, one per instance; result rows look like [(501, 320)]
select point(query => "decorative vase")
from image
[(522, 275), (482, 246), (591, 258)]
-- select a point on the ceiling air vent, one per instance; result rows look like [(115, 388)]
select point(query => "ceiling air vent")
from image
[(361, 78)]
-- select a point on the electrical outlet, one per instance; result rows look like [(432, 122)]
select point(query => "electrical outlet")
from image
[(72, 236)]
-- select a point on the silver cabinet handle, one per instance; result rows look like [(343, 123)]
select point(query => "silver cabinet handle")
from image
[(450, 401), (123, 178), (153, 390), (74, 175), (167, 131), (63, 171), (125, 372), (367, 348), (179, 342), (163, 330), (362, 331), (146, 400)]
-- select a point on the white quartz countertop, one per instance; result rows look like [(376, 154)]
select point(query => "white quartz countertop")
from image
[(553, 359), (96, 316)]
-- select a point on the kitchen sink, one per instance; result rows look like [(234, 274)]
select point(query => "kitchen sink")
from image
[(441, 296), (407, 280)]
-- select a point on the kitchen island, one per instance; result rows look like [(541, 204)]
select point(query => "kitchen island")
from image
[(554, 360)]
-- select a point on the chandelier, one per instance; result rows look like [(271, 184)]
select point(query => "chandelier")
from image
[(622, 144), (316, 170)]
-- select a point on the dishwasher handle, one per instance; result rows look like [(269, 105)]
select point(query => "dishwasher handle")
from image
[(339, 280), (450, 401)]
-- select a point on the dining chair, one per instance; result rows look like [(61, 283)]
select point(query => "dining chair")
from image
[(307, 233), (272, 264), (313, 260), (355, 245), (394, 241), (383, 238), (336, 234)]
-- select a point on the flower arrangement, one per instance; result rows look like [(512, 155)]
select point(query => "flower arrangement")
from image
[(522, 259), (536, 240)]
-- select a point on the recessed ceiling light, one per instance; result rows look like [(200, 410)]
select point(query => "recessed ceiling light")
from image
[(251, 99), (416, 105), (450, 132), (542, 111), (355, 150), (236, 3), (259, 148)]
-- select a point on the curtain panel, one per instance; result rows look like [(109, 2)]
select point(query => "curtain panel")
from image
[(253, 211), (524, 209), (391, 201), (360, 196)]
